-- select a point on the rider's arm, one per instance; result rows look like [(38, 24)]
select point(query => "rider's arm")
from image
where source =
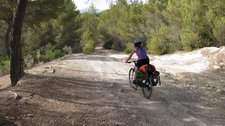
[(131, 54)]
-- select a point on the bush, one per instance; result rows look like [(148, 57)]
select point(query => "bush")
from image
[(58, 53), (89, 47), (67, 50), (129, 47), (48, 56), (29, 61), (49, 53), (4, 65), (52, 54), (164, 41), (157, 44), (219, 30)]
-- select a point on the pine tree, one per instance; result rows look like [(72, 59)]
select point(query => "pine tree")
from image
[(16, 64)]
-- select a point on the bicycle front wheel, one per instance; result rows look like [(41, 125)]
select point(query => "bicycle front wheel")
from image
[(131, 76), (147, 89)]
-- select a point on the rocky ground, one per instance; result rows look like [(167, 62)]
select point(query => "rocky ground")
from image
[(93, 90)]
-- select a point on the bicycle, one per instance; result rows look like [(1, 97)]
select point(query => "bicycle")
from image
[(146, 83)]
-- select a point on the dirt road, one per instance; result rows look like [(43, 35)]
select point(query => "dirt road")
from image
[(93, 90)]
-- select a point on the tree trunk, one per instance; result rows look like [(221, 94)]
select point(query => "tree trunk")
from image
[(16, 60)]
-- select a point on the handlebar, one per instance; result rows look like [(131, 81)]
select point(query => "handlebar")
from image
[(132, 62)]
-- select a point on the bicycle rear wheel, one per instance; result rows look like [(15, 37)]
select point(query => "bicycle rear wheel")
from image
[(131, 76), (147, 89)]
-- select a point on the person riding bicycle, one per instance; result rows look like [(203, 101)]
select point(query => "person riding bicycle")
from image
[(141, 54)]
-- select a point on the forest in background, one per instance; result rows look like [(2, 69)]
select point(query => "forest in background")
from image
[(53, 28)]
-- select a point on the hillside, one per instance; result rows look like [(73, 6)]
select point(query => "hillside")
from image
[(93, 89)]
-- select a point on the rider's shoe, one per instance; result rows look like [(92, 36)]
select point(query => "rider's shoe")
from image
[(134, 86)]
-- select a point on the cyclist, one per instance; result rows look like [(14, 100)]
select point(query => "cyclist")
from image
[(141, 54)]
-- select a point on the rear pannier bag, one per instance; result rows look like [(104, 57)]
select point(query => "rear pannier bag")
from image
[(155, 80), (147, 68), (140, 76)]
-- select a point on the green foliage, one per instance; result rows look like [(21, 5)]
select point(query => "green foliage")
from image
[(116, 28), (89, 23), (156, 45), (43, 10), (163, 41), (7, 8), (129, 47), (90, 35), (4, 64), (2, 37), (49, 53), (167, 25), (219, 30), (196, 32), (66, 27), (59, 29), (87, 42), (45, 21), (89, 47)]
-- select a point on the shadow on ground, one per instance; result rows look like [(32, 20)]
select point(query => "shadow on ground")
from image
[(51, 100), (48, 100), (4, 122)]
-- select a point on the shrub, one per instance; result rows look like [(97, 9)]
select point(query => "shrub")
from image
[(49, 53), (52, 54), (67, 50), (129, 47), (28, 61), (4, 65), (89, 47)]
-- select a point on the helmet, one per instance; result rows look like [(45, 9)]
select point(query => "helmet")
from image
[(137, 41)]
